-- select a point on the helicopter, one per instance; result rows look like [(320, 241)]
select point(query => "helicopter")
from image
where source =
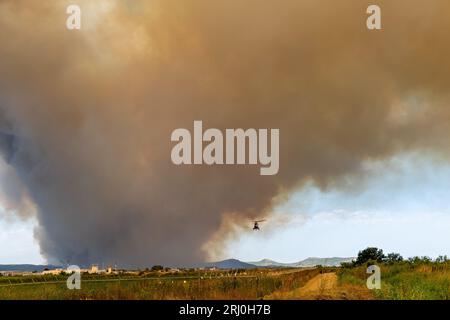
[(256, 224)]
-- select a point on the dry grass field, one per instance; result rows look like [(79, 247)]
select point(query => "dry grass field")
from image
[(401, 281)]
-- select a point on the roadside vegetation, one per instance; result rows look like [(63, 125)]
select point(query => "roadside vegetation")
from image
[(416, 278)]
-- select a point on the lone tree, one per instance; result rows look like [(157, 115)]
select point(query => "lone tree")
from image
[(369, 254), (157, 268)]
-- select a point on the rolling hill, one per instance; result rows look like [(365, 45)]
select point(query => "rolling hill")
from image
[(309, 262), (267, 263), (229, 264)]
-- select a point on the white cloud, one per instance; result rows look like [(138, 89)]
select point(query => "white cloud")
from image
[(17, 244)]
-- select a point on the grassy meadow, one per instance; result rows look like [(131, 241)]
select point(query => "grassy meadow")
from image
[(405, 280), (201, 285)]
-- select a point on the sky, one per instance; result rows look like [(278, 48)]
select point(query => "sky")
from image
[(17, 242), (403, 210)]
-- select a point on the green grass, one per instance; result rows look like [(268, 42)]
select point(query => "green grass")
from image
[(399, 281), (194, 286), (405, 281)]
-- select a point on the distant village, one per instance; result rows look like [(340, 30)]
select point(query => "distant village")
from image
[(228, 264), (95, 269)]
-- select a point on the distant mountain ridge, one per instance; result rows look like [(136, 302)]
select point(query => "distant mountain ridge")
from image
[(26, 267), (229, 264), (267, 263), (309, 262), (224, 264)]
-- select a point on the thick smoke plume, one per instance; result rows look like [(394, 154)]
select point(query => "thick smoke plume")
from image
[(86, 116)]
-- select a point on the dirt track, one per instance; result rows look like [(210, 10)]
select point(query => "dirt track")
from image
[(321, 287)]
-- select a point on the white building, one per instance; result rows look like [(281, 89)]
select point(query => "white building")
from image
[(53, 272)]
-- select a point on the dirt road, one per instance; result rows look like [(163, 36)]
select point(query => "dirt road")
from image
[(321, 287), (318, 286)]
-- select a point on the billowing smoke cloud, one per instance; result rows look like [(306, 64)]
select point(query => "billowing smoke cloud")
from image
[(87, 115)]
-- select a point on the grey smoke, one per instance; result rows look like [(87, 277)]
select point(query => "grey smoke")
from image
[(87, 116)]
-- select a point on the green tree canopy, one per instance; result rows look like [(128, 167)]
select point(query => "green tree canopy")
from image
[(394, 257), (369, 254)]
